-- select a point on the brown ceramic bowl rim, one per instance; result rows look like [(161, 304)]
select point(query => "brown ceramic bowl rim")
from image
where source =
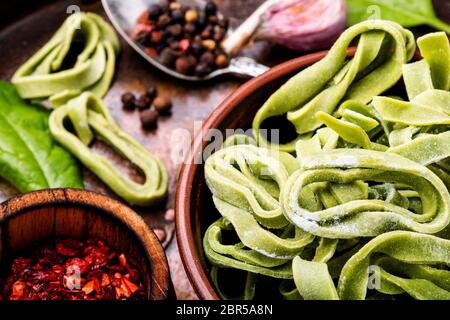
[(185, 237), (154, 252)]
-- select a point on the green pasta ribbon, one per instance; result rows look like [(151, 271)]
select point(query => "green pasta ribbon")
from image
[(250, 178), (333, 80), (364, 217), (363, 211), (80, 57), (415, 255), (90, 118)]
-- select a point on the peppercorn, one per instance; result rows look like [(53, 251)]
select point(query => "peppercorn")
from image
[(162, 105), (143, 38), (144, 102), (167, 57), (209, 44), (196, 48), (175, 6), (151, 91), (128, 101), (218, 36), (202, 21), (191, 15), (184, 44), (221, 61), (210, 8), (183, 65), (192, 60), (207, 58), (190, 28), (177, 16), (176, 30), (174, 45), (202, 69), (164, 21), (165, 5), (154, 11), (149, 118), (160, 47)]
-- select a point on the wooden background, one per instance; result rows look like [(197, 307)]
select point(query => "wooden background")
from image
[(26, 25)]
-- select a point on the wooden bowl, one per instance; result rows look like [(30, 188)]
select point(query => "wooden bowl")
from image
[(67, 213), (195, 210)]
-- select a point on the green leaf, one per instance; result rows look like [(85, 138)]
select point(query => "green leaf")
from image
[(29, 157), (408, 13)]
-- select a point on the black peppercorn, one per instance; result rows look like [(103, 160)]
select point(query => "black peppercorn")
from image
[(202, 21), (190, 28), (176, 30), (167, 57), (174, 45), (210, 8), (154, 11), (128, 101), (165, 5), (143, 37), (218, 36), (151, 91), (149, 118), (196, 48), (207, 58), (177, 16), (164, 21), (202, 69), (143, 102), (160, 47)]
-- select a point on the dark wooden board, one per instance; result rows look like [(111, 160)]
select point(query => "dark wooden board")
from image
[(25, 27)]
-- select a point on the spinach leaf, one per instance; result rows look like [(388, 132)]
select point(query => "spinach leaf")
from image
[(29, 157), (408, 13)]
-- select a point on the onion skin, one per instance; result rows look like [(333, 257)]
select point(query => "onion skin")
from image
[(305, 25)]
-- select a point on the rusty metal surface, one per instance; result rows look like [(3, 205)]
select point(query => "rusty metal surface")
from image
[(192, 102)]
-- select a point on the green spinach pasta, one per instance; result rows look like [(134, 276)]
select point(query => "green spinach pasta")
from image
[(358, 205)]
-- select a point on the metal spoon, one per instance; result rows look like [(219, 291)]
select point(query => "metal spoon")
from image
[(124, 15)]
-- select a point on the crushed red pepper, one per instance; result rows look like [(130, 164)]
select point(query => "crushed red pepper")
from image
[(72, 270)]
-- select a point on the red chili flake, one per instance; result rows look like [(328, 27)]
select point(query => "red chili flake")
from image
[(123, 260), (88, 287), (18, 290), (105, 280), (72, 270), (65, 251)]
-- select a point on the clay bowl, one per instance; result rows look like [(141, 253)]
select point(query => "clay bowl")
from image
[(77, 214), (194, 208)]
